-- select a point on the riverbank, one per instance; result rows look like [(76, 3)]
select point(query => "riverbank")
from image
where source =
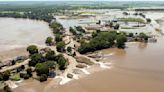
[(125, 62), (129, 72), (138, 68)]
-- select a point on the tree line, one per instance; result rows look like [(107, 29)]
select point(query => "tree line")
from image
[(103, 40)]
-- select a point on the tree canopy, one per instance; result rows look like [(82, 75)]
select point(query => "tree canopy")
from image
[(49, 40), (32, 49), (60, 46), (103, 40)]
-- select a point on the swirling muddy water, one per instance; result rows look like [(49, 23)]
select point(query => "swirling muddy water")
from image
[(138, 68), (19, 33)]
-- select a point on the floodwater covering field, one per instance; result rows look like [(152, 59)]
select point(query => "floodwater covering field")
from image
[(137, 68), (18, 33)]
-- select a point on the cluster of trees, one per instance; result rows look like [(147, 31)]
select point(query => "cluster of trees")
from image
[(141, 37), (73, 31), (58, 32), (77, 30), (136, 14), (26, 74), (80, 29), (103, 40), (49, 41), (56, 27), (21, 73), (5, 76), (148, 20), (44, 13), (60, 46), (43, 63), (31, 15)]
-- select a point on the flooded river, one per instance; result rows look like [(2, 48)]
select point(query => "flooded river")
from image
[(19, 33), (137, 68)]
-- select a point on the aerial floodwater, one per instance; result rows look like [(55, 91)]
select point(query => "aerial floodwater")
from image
[(19, 33), (138, 68), (81, 46)]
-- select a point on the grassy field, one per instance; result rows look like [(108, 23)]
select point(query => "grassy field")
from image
[(139, 20)]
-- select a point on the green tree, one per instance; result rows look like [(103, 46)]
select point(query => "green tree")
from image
[(43, 78), (26, 76), (50, 64), (69, 49), (121, 39), (117, 26), (131, 35), (57, 27), (50, 55), (80, 29), (36, 58), (41, 68), (60, 46), (6, 75), (29, 72), (94, 34), (143, 36), (61, 61), (1, 76), (148, 20), (73, 31), (49, 40), (58, 38), (32, 49)]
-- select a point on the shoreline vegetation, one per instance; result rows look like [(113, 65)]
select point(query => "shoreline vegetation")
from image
[(65, 53)]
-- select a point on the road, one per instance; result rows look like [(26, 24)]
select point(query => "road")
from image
[(25, 62)]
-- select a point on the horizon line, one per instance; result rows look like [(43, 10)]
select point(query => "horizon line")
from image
[(84, 0)]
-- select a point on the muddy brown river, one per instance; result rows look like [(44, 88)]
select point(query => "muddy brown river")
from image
[(138, 68), (17, 34)]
